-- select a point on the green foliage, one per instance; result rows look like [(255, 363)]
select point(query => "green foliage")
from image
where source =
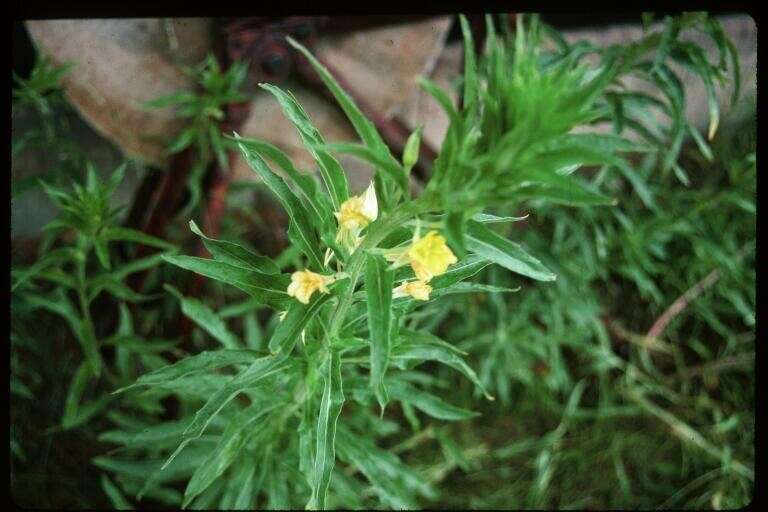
[(204, 111), (68, 272), (42, 88), (40, 116), (365, 396)]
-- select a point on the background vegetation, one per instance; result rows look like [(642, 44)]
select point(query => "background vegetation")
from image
[(627, 382)]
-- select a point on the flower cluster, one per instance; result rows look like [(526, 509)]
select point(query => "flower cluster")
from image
[(428, 256)]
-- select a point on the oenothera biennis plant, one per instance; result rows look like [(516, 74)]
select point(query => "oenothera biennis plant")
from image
[(343, 341)]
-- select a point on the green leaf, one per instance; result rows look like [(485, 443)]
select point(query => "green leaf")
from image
[(442, 99), (102, 252), (301, 221), (55, 257), (185, 139), (86, 411), (174, 98), (289, 329), (363, 126), (470, 66), (180, 468), (463, 269), (271, 289), (333, 175), (243, 487), (113, 493), (234, 254), (325, 448), (138, 265), (132, 235), (390, 166), (75, 394), (157, 435), (485, 218), (694, 59), (598, 144), (238, 482), (427, 402), (538, 183), (202, 362), (423, 346), (497, 249), (394, 482), (60, 304), (319, 205), (455, 231), (236, 435), (642, 190), (116, 287), (259, 370), (378, 288), (471, 288), (206, 318)]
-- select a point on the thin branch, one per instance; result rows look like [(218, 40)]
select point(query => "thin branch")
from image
[(681, 303), (689, 296)]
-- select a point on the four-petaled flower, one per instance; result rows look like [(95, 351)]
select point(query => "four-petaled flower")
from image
[(354, 214), (305, 282), (429, 256), (419, 290)]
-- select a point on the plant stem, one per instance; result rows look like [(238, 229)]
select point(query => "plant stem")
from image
[(94, 356), (378, 231)]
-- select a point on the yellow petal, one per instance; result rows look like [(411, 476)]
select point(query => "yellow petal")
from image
[(305, 282), (419, 290), (430, 256)]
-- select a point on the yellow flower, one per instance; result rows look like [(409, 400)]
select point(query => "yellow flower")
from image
[(305, 282), (430, 256), (419, 290), (354, 214)]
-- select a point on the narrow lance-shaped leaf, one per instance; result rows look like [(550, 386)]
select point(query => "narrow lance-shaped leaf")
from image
[(131, 235), (318, 203), (75, 394), (59, 304), (428, 403), (234, 254), (363, 126), (499, 250), (301, 221), (455, 231), (113, 493), (331, 171), (325, 449), (289, 329), (55, 257), (394, 482), (378, 287), (202, 362), (102, 252), (423, 346), (390, 166), (470, 66), (206, 318), (259, 370), (560, 189), (270, 289), (231, 443)]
